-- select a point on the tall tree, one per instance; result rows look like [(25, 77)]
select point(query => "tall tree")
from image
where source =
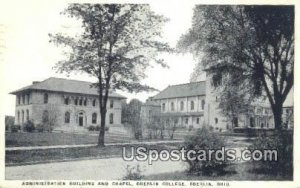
[(117, 44), (251, 46)]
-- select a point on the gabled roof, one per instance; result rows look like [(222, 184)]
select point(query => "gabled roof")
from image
[(65, 86), (182, 90)]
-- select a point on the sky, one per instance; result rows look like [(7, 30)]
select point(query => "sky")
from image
[(26, 54)]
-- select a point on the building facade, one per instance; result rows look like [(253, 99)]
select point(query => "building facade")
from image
[(72, 104)]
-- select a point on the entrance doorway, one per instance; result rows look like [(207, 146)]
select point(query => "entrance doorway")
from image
[(81, 119)]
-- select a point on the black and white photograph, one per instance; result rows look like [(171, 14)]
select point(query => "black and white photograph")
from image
[(148, 94)]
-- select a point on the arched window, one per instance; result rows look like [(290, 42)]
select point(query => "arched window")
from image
[(192, 105), (45, 117), (22, 116), (46, 98), (67, 117), (111, 118), (18, 116), (111, 104), (202, 104), (94, 102), (163, 107), (172, 106), (27, 115), (181, 105), (94, 118)]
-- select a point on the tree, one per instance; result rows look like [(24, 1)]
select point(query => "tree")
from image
[(117, 44), (251, 46)]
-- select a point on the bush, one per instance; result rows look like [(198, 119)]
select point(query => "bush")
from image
[(15, 128), (92, 128), (283, 143), (106, 129), (28, 126), (133, 173), (191, 127), (97, 128), (40, 127), (205, 140)]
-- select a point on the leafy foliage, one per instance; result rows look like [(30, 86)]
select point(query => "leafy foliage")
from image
[(250, 47), (117, 44)]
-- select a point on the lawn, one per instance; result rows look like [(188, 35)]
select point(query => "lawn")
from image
[(48, 139), (22, 157)]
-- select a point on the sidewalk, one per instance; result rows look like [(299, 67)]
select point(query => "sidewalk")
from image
[(90, 145)]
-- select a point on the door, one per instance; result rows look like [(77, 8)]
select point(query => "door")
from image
[(80, 121)]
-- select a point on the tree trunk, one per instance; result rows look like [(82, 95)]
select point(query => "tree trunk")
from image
[(102, 128), (277, 112)]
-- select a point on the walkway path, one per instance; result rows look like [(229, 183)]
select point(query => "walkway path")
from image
[(96, 169), (90, 145)]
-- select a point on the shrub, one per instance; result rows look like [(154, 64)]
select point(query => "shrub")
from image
[(92, 128), (28, 126), (283, 143), (40, 127), (205, 140), (191, 128), (15, 128), (97, 128), (106, 129), (133, 173)]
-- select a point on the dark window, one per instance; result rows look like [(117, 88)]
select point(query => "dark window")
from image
[(22, 116), (76, 101), (28, 97), (251, 122), (84, 102), (67, 117), (23, 99), (111, 104), (186, 120), (163, 106), (27, 115), (181, 105), (19, 99), (111, 118), (192, 105), (198, 120), (67, 101), (94, 102), (80, 102), (216, 120), (235, 122), (45, 98), (45, 117), (94, 118), (172, 106), (202, 104)]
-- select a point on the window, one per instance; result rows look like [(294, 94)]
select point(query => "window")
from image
[(45, 117), (94, 102), (202, 104), (85, 102), (111, 104), (216, 120), (67, 117), (80, 102), (181, 105), (19, 99), (94, 118), (23, 99), (18, 116), (172, 106), (192, 105), (76, 101), (28, 98), (163, 107), (186, 120), (198, 120), (22, 116), (27, 115), (111, 118), (67, 101), (45, 98)]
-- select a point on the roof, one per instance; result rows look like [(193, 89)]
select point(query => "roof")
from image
[(65, 86), (182, 90)]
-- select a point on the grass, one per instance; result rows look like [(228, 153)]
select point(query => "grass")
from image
[(49, 139), (238, 171), (22, 157)]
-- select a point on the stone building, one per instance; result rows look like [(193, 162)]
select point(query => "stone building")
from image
[(73, 104)]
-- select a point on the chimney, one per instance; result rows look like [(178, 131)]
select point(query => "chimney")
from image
[(35, 82)]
